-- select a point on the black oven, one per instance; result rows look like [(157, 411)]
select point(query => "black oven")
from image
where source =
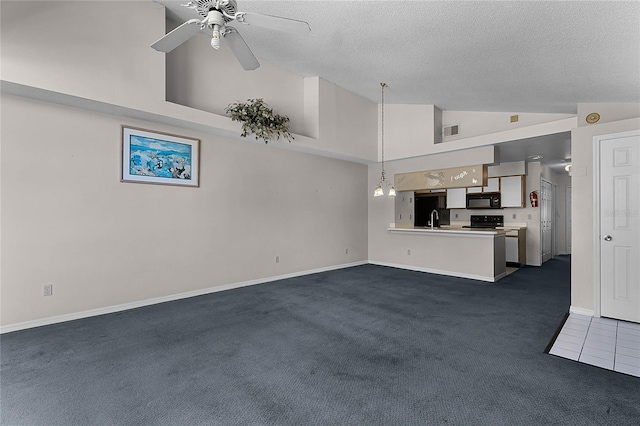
[(485, 221), (485, 200)]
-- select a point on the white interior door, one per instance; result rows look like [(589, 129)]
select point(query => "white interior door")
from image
[(620, 227), (546, 219)]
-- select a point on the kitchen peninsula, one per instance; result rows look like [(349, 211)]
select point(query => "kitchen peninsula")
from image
[(468, 253), (478, 249)]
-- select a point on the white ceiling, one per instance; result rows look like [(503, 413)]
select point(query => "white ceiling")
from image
[(554, 150), (506, 56)]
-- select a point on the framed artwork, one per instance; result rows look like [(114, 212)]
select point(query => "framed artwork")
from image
[(160, 158)]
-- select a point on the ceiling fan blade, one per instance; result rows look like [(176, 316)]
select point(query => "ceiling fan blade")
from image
[(273, 22), (178, 36), (240, 49)]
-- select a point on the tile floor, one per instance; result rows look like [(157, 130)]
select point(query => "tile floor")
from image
[(603, 342)]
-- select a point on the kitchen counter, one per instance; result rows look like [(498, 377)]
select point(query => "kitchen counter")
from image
[(476, 253), (480, 232)]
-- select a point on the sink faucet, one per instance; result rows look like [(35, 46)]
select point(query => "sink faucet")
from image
[(437, 217)]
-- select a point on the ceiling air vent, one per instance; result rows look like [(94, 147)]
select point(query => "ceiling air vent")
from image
[(450, 130)]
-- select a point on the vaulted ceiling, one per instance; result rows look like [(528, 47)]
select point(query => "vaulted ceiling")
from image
[(495, 56), (508, 56)]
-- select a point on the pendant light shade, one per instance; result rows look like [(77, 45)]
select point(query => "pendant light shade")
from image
[(379, 191)]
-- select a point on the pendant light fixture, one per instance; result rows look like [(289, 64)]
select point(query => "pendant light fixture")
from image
[(379, 191)]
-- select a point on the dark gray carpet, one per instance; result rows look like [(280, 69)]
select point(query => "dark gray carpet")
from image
[(367, 345)]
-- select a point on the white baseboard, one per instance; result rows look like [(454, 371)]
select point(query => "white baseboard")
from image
[(499, 277), (437, 271), (581, 311), (132, 305)]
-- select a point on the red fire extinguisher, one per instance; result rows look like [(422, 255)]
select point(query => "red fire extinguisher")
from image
[(533, 197)]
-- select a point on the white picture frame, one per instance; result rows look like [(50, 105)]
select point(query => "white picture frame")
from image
[(159, 158)]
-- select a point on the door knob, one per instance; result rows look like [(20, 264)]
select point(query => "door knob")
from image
[(608, 238)]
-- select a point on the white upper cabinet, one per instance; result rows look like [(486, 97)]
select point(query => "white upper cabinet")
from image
[(512, 190), (493, 185), (510, 187), (457, 198)]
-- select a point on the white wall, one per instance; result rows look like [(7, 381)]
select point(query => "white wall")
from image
[(476, 123), (409, 129), (335, 120), (68, 221), (200, 77), (66, 218), (347, 122), (96, 50), (114, 69), (608, 112)]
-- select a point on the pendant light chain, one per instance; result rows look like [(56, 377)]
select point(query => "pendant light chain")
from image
[(383, 85), (383, 180)]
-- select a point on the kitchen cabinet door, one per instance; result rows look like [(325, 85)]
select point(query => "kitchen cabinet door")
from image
[(512, 190), (511, 247), (457, 198), (493, 185)]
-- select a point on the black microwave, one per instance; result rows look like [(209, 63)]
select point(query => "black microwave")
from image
[(485, 200)]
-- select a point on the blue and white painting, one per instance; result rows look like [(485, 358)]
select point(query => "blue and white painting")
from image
[(158, 158), (151, 157)]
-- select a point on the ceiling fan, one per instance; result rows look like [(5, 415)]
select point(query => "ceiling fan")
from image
[(217, 13)]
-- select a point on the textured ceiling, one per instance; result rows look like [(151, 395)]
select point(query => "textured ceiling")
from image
[(509, 56)]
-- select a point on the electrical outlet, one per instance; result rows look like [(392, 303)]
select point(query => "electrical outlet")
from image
[(277, 259), (408, 252), (47, 290), (346, 251), (514, 215), (456, 215)]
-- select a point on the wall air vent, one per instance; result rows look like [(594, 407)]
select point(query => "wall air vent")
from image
[(450, 130)]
